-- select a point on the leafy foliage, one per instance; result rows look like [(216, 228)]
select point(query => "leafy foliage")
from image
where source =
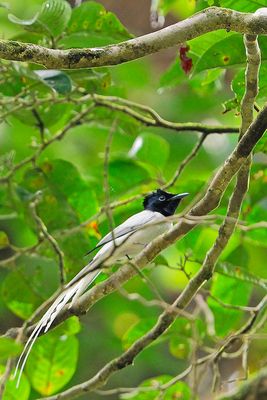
[(51, 20), (91, 26), (62, 151), (52, 363), (13, 393), (179, 389), (8, 348)]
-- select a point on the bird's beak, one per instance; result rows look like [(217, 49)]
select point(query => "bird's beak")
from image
[(178, 196)]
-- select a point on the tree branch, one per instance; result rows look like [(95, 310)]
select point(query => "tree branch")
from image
[(154, 119), (228, 226), (254, 389), (208, 20), (127, 357)]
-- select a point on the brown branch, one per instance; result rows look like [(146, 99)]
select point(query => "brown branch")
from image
[(227, 228), (150, 117), (142, 113), (254, 389), (207, 20)]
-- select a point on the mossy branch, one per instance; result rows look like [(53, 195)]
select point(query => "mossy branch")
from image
[(210, 19)]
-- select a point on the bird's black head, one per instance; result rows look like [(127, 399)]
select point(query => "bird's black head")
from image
[(163, 202)]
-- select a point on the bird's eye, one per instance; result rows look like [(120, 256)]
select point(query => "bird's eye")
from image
[(162, 198)]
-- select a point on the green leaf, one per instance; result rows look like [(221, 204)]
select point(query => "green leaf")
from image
[(17, 231), (49, 113), (211, 76), (226, 52), (51, 20), (230, 291), (57, 80), (136, 331), (92, 80), (262, 145), (64, 179), (4, 241), (243, 5), (173, 76), (15, 78), (5, 5), (67, 198), (239, 256), (221, 50), (182, 8), (11, 392), (92, 26), (54, 208), (180, 347), (239, 273), (201, 44), (69, 327), (238, 83), (257, 213), (181, 327), (204, 241), (179, 390), (23, 289), (133, 175), (150, 149), (230, 105), (9, 348), (52, 362)]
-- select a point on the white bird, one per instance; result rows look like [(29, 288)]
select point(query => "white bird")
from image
[(126, 241)]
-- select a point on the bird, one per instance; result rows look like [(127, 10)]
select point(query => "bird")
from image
[(123, 243)]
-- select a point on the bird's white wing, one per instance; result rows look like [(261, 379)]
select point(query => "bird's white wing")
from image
[(128, 227), (131, 225)]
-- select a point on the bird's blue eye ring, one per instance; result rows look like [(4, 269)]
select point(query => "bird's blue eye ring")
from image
[(162, 198)]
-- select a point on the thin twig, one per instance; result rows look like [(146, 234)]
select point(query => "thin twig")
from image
[(43, 229), (40, 123), (186, 161), (107, 208)]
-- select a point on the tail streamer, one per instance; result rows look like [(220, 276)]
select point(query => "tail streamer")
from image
[(73, 291)]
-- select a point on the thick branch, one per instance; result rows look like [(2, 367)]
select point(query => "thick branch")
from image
[(228, 226), (208, 20)]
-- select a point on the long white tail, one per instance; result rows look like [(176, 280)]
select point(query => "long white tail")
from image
[(72, 291)]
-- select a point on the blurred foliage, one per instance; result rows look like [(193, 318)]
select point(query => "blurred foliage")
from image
[(69, 173)]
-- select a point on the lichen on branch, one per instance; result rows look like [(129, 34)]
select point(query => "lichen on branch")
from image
[(210, 19)]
